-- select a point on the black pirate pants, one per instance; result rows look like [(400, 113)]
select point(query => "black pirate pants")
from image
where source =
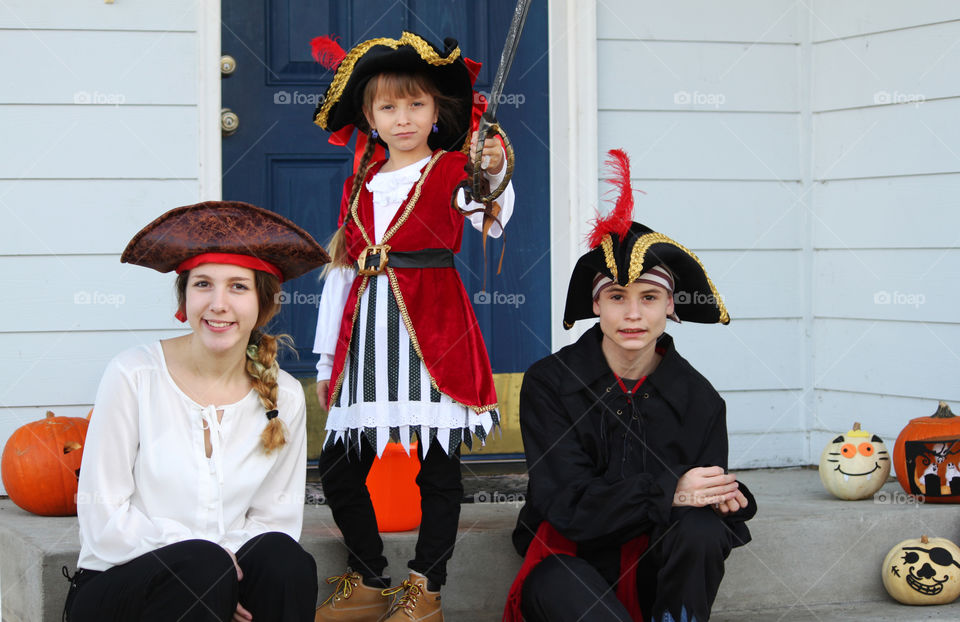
[(678, 577), (196, 580), (344, 476)]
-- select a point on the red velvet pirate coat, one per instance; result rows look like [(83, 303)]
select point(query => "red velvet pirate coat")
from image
[(434, 305)]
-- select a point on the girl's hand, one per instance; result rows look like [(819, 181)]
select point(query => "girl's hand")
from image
[(703, 486), (323, 390), (241, 614), (493, 156)]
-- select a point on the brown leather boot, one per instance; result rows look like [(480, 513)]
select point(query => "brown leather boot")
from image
[(352, 601), (415, 602)]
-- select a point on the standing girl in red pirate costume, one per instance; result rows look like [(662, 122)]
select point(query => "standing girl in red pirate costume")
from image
[(401, 354)]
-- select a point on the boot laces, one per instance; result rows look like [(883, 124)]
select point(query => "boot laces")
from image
[(411, 592), (345, 584)]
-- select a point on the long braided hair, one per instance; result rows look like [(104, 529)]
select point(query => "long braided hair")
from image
[(262, 348)]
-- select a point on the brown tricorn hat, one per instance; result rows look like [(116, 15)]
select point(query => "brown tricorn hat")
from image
[(225, 232)]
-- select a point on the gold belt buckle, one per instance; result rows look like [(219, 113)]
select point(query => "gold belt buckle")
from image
[(383, 249)]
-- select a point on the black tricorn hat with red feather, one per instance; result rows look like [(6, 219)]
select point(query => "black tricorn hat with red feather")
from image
[(342, 104), (622, 250)]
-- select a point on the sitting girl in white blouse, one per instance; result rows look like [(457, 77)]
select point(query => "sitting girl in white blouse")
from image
[(191, 492)]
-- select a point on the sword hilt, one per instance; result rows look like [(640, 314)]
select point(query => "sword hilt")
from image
[(477, 182)]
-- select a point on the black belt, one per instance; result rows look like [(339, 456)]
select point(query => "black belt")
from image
[(372, 256)]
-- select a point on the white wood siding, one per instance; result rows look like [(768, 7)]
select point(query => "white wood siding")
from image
[(705, 97), (886, 262), (100, 121), (810, 155)]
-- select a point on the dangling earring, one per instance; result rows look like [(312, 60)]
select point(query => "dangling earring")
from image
[(435, 128), (374, 134)]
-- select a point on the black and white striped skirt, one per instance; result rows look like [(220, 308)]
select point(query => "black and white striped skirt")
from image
[(387, 393)]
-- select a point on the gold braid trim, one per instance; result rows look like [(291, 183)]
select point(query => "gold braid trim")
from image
[(607, 244), (345, 69), (356, 312), (395, 286), (643, 244)]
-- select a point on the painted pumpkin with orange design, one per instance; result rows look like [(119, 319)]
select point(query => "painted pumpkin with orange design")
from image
[(854, 465)]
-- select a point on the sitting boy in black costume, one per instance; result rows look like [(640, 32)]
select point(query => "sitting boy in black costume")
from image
[(629, 508)]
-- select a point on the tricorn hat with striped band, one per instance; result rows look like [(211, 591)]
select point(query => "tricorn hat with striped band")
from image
[(622, 250)]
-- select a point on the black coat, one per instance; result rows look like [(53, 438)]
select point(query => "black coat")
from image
[(604, 470)]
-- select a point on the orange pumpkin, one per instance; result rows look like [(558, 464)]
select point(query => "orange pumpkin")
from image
[(927, 457), (41, 465), (392, 483)]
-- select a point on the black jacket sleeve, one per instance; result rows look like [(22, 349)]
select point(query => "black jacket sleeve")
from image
[(567, 488)]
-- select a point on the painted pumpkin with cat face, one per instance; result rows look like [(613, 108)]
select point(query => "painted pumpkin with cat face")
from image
[(854, 465)]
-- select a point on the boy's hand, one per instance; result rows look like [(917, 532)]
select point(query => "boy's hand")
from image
[(730, 506), (323, 389), (492, 161), (703, 486)]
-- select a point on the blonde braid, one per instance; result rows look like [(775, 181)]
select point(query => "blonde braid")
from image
[(263, 369)]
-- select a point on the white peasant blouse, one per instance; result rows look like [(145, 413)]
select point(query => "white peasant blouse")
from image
[(146, 481)]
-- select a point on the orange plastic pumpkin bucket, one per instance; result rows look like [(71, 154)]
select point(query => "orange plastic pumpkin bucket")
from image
[(392, 483)]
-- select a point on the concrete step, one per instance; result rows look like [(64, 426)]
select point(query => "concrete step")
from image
[(813, 557)]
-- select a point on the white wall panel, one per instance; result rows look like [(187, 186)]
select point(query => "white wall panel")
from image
[(698, 213), (699, 76), (50, 369), (890, 212), (84, 293), (82, 67), (170, 15), (776, 449), (907, 359), (908, 285), (765, 412), (754, 284), (744, 355), (89, 141), (705, 145), (77, 216), (769, 21), (889, 68), (907, 139), (833, 19)]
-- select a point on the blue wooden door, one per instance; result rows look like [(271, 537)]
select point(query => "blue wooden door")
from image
[(279, 160)]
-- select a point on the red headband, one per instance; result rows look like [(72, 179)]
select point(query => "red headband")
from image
[(244, 261)]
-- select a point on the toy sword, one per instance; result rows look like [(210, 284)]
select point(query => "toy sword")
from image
[(477, 189)]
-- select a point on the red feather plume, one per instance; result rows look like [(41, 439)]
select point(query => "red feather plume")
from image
[(620, 218), (327, 51)]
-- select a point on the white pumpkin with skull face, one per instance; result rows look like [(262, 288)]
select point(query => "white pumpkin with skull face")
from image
[(923, 571), (854, 465)]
